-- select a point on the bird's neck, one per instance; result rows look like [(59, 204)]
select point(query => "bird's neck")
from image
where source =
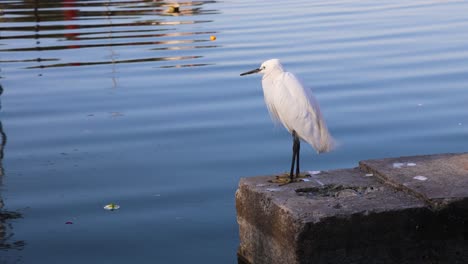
[(273, 72)]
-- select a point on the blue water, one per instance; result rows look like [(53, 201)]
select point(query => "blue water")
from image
[(124, 102)]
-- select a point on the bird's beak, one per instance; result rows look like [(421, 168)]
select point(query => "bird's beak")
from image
[(250, 72)]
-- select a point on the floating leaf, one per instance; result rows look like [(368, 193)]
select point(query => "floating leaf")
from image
[(112, 207)]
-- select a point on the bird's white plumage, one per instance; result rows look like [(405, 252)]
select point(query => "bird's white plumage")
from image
[(293, 105)]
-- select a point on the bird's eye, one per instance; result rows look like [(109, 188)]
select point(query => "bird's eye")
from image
[(263, 67)]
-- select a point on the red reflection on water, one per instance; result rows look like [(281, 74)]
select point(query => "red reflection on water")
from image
[(70, 14)]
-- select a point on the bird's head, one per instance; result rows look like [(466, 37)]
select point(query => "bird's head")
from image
[(266, 67)]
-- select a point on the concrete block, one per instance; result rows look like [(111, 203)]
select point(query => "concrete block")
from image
[(355, 216), (440, 179)]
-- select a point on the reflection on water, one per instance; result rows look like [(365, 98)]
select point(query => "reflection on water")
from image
[(36, 26), (6, 235), (69, 33)]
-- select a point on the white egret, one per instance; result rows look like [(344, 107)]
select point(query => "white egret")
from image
[(290, 103)]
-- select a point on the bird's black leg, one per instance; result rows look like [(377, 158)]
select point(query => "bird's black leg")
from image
[(298, 150), (294, 149)]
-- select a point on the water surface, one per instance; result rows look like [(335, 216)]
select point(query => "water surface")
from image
[(127, 102)]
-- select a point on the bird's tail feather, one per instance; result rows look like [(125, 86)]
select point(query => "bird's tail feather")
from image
[(328, 143), (323, 141)]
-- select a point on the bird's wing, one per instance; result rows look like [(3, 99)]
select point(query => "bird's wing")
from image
[(298, 110)]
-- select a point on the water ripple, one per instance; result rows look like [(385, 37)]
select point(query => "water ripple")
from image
[(82, 25)]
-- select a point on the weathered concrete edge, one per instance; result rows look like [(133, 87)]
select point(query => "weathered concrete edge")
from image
[(270, 221), (394, 184), (433, 204)]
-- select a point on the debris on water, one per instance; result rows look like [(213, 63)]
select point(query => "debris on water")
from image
[(116, 114), (459, 124), (420, 178), (69, 223), (112, 207), (212, 38), (173, 9), (419, 104), (314, 172), (369, 174)]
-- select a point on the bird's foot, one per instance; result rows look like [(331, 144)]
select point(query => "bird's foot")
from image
[(285, 178)]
